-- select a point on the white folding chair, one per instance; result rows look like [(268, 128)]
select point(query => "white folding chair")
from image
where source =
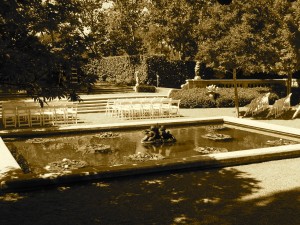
[(137, 109), (114, 108), (165, 107), (59, 112), (35, 114), (9, 114), (125, 109), (111, 108), (174, 107), (146, 107), (156, 107), (48, 115), (23, 115), (71, 112)]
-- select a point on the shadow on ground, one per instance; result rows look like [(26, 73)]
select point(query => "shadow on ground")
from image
[(191, 197)]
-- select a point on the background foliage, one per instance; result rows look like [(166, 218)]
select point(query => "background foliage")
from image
[(198, 97), (41, 41), (123, 69)]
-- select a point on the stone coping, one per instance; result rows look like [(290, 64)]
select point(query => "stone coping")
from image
[(7, 161), (262, 126), (196, 162), (130, 124)]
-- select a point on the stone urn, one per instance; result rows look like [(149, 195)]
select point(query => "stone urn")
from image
[(197, 78), (212, 95)]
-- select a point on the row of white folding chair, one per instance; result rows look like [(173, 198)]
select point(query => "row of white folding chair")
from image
[(128, 108), (160, 107), (60, 112), (143, 108), (30, 113), (164, 107)]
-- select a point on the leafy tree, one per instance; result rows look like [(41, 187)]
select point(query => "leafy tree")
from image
[(250, 36), (93, 27), (172, 25), (124, 20), (39, 45)]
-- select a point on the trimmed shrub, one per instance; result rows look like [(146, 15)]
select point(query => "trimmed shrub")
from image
[(171, 74), (193, 98), (122, 69), (145, 88), (198, 97)]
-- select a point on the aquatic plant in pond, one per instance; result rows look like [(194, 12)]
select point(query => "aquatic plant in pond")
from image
[(65, 165), (208, 150), (95, 148), (146, 156), (100, 150), (217, 137), (280, 142)]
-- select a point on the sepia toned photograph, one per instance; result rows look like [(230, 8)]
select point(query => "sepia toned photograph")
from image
[(150, 112)]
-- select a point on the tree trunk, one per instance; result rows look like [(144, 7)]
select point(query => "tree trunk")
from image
[(289, 84), (236, 97)]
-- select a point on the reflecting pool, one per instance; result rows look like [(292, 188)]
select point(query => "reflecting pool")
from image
[(39, 152)]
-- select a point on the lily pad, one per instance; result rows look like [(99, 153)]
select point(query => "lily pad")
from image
[(95, 148), (280, 142), (107, 135), (209, 150), (146, 156), (217, 137), (64, 165)]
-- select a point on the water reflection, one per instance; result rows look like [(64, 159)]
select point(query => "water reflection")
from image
[(41, 151)]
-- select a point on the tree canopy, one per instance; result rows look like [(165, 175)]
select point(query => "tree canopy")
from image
[(42, 41), (249, 35), (39, 45)]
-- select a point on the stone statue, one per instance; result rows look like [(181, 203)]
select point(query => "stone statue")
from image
[(197, 70), (137, 80)]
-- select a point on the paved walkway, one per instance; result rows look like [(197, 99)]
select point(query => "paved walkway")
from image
[(101, 118)]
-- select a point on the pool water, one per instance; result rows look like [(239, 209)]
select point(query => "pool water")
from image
[(39, 152)]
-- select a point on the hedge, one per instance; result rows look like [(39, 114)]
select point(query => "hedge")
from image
[(122, 70), (145, 88), (198, 97), (172, 74)]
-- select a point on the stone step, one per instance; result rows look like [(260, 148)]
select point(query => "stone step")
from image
[(94, 104)]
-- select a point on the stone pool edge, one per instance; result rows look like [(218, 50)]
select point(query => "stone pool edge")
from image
[(202, 162)]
